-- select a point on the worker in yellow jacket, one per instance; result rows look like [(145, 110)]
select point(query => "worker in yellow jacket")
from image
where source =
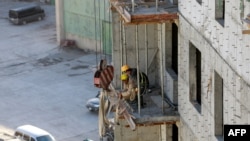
[(129, 91), (143, 79)]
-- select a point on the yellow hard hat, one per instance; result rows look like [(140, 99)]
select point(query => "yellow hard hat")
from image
[(124, 68), (124, 77)]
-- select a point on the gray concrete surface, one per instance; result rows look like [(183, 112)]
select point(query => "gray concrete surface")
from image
[(42, 84)]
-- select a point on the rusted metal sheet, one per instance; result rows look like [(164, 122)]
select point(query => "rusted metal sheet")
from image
[(104, 75)]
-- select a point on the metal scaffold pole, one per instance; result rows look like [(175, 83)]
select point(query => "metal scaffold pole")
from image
[(146, 49), (124, 43), (138, 69), (161, 68), (121, 46)]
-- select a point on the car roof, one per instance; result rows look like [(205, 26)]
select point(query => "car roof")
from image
[(26, 7), (15, 140), (32, 130)]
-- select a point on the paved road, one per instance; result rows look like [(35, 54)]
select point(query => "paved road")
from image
[(42, 84)]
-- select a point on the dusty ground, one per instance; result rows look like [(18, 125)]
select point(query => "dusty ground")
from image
[(42, 84)]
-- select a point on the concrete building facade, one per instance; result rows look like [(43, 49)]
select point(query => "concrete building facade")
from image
[(213, 76)]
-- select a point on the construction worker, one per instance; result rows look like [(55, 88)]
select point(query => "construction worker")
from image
[(129, 88), (143, 79)]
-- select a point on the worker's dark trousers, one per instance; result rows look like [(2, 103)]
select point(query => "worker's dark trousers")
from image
[(142, 103), (143, 91)]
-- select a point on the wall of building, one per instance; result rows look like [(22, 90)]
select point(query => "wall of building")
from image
[(158, 58), (85, 21), (224, 50), (124, 49), (124, 52), (146, 132), (170, 77)]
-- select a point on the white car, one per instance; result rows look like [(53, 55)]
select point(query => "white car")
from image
[(94, 103), (32, 133)]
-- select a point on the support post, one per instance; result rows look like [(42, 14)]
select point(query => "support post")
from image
[(138, 69), (59, 21)]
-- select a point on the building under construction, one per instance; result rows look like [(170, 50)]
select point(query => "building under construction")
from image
[(194, 52)]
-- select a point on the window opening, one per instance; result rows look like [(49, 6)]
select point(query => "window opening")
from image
[(218, 105), (175, 48), (220, 11), (195, 76), (175, 132), (199, 1)]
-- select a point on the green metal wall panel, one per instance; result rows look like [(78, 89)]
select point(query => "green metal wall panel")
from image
[(80, 25), (107, 37), (79, 18), (85, 18), (52, 2)]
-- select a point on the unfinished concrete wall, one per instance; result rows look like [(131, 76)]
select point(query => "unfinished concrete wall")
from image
[(224, 50), (124, 49), (147, 132), (170, 77), (142, 133), (158, 58), (171, 86)]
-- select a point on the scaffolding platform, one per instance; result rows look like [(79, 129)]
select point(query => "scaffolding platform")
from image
[(156, 110)]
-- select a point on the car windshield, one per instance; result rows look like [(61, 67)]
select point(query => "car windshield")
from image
[(96, 102), (44, 138)]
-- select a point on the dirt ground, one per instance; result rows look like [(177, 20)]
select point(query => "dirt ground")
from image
[(41, 83)]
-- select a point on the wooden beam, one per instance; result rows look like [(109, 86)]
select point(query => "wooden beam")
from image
[(138, 3), (123, 12), (245, 31), (152, 124), (154, 17), (160, 119), (121, 3)]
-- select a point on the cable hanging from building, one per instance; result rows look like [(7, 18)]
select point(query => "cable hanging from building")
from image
[(95, 31)]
